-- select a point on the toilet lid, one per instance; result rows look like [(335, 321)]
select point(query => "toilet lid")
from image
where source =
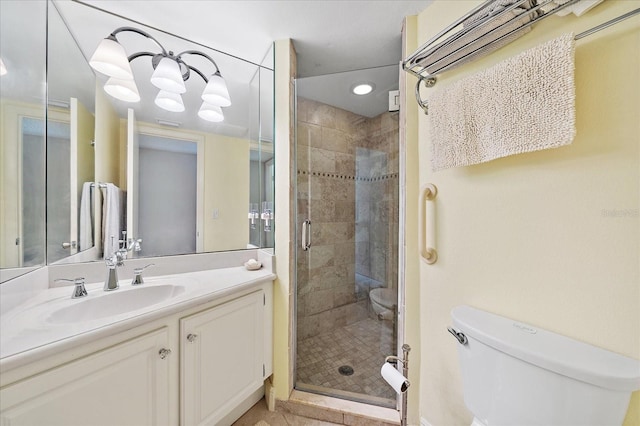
[(384, 296)]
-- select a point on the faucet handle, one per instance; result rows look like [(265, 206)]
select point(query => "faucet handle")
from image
[(78, 290), (135, 244), (137, 274)]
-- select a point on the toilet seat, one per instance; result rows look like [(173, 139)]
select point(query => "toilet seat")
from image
[(384, 297)]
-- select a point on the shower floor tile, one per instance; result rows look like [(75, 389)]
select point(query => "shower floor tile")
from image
[(362, 345)]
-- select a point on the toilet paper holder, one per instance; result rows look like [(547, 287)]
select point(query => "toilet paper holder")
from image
[(405, 372)]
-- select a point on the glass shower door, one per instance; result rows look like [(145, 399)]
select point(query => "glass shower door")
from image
[(341, 342)]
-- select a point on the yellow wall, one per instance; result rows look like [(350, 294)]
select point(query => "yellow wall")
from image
[(223, 173), (408, 148), (226, 189), (284, 57), (107, 146), (533, 236)]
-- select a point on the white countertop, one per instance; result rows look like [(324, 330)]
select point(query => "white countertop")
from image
[(27, 332)]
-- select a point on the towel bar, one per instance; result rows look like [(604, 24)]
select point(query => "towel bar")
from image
[(417, 63)]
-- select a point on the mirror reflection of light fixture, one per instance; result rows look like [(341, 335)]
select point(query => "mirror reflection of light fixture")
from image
[(124, 90), (169, 75), (169, 101), (3, 69), (211, 113)]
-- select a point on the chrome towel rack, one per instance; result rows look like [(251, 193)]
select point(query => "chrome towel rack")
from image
[(481, 31)]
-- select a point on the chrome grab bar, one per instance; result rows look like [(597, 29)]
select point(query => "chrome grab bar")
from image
[(306, 235)]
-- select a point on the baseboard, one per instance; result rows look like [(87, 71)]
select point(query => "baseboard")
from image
[(242, 408)]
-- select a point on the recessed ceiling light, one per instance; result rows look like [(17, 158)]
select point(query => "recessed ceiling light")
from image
[(363, 88)]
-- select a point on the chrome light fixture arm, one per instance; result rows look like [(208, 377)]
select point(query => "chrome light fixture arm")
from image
[(197, 71), (170, 74), (137, 31), (204, 55)]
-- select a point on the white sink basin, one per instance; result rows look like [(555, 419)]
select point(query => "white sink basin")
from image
[(114, 303)]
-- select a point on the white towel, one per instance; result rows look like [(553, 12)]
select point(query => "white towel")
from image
[(578, 9), (523, 104), (112, 215), (86, 218)]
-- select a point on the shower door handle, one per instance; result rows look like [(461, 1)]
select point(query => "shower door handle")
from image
[(306, 235), (428, 254)]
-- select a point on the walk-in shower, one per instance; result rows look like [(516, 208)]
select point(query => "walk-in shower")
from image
[(347, 208)]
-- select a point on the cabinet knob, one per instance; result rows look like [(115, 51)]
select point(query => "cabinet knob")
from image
[(164, 353), (192, 337)]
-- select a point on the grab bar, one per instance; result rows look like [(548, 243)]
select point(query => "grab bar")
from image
[(306, 235), (428, 254)]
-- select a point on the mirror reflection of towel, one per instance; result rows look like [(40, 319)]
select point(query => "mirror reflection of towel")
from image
[(86, 218), (112, 215)]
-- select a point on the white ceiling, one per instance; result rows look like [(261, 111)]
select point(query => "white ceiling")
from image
[(330, 36), (338, 43)]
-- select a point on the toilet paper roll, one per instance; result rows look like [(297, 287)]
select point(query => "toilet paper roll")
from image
[(392, 376)]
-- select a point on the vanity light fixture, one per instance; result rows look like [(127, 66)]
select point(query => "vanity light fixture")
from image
[(169, 75), (362, 89), (3, 69)]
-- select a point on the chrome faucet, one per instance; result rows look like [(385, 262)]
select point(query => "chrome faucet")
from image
[(137, 275), (78, 289), (117, 259)]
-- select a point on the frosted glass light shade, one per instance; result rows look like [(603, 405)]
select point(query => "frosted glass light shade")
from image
[(3, 69), (216, 92), (169, 101), (125, 90), (111, 59), (211, 113), (167, 76)]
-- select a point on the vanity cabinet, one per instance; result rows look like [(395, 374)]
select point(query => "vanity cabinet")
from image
[(126, 384), (204, 365), (222, 358)]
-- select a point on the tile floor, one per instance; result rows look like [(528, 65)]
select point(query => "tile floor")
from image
[(259, 415), (362, 346)]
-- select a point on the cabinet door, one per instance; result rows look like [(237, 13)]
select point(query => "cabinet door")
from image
[(222, 353), (127, 384)]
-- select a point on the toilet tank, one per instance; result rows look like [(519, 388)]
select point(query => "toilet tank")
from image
[(517, 374)]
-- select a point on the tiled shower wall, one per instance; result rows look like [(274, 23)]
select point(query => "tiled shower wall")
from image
[(347, 186), (377, 202)]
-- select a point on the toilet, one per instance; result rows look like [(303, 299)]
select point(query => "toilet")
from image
[(383, 302), (517, 374)]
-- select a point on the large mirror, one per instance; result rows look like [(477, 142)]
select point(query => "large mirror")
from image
[(134, 171), (22, 136), (71, 87)]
